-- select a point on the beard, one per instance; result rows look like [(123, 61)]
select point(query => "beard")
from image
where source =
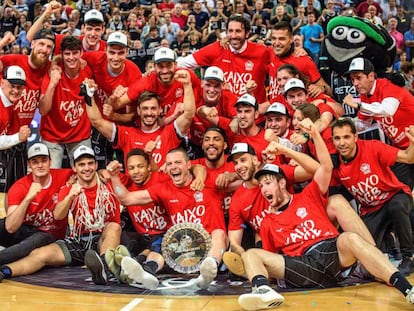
[(37, 60)]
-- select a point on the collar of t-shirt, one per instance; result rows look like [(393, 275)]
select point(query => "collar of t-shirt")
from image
[(239, 51), (6, 102), (372, 90)]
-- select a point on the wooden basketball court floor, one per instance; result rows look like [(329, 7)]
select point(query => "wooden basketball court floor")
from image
[(18, 296)]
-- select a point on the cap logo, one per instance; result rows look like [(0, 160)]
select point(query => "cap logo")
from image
[(37, 148), (215, 72), (118, 37), (164, 52)]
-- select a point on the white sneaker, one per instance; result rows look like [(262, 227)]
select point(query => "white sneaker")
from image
[(135, 272), (263, 297), (410, 296), (208, 272)]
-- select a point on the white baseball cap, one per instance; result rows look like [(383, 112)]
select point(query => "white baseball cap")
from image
[(360, 64), (277, 108), (117, 38), (247, 99), (272, 169), (294, 83), (83, 151), (240, 148), (164, 55), (15, 75), (214, 73), (38, 149), (93, 16)]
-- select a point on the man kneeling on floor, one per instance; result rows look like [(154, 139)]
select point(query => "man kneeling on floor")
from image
[(314, 253)]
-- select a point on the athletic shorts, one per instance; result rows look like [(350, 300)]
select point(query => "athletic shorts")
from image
[(318, 268), (75, 249)]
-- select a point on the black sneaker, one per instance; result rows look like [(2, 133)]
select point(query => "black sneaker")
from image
[(2, 276), (406, 266), (94, 263)]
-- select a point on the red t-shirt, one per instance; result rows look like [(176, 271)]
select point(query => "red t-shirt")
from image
[(149, 218), (368, 176), (100, 210), (40, 210), (25, 107), (128, 138), (249, 205), (250, 64), (393, 126), (170, 94), (303, 63), (67, 121), (98, 62), (186, 205), (301, 225), (212, 174)]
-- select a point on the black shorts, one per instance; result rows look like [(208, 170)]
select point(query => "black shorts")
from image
[(13, 165), (75, 249), (318, 268)]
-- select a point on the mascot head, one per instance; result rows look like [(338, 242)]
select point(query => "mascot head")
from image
[(351, 36)]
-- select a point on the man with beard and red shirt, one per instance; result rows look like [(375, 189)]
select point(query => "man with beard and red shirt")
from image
[(93, 28), (35, 65), (163, 83), (64, 123), (283, 48), (111, 70), (241, 62), (149, 110)]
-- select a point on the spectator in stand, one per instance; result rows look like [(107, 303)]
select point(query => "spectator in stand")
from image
[(169, 29), (8, 20), (362, 8), (299, 20), (259, 9), (166, 6), (201, 17), (398, 36), (313, 36), (178, 16), (409, 41)]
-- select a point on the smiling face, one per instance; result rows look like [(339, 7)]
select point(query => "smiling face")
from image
[(281, 41), (41, 50), (165, 72), (245, 165), (12, 91), (236, 34), (345, 141), (92, 35), (246, 116), (213, 146), (71, 59), (277, 122), (212, 92), (138, 169), (149, 111), (178, 167), (85, 169), (116, 56)]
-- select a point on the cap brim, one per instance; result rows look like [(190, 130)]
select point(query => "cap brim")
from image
[(84, 155), (16, 81), (91, 20), (164, 60), (213, 78), (117, 43), (267, 172)]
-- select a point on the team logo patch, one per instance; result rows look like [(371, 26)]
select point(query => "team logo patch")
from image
[(249, 65), (301, 212), (365, 168), (179, 92), (198, 196)]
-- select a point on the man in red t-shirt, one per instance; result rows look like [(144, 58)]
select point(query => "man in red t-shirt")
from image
[(241, 61), (391, 106), (29, 222), (163, 82), (149, 110), (64, 123), (301, 245), (385, 202), (93, 28), (183, 204), (34, 66), (283, 49), (96, 216), (112, 72)]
